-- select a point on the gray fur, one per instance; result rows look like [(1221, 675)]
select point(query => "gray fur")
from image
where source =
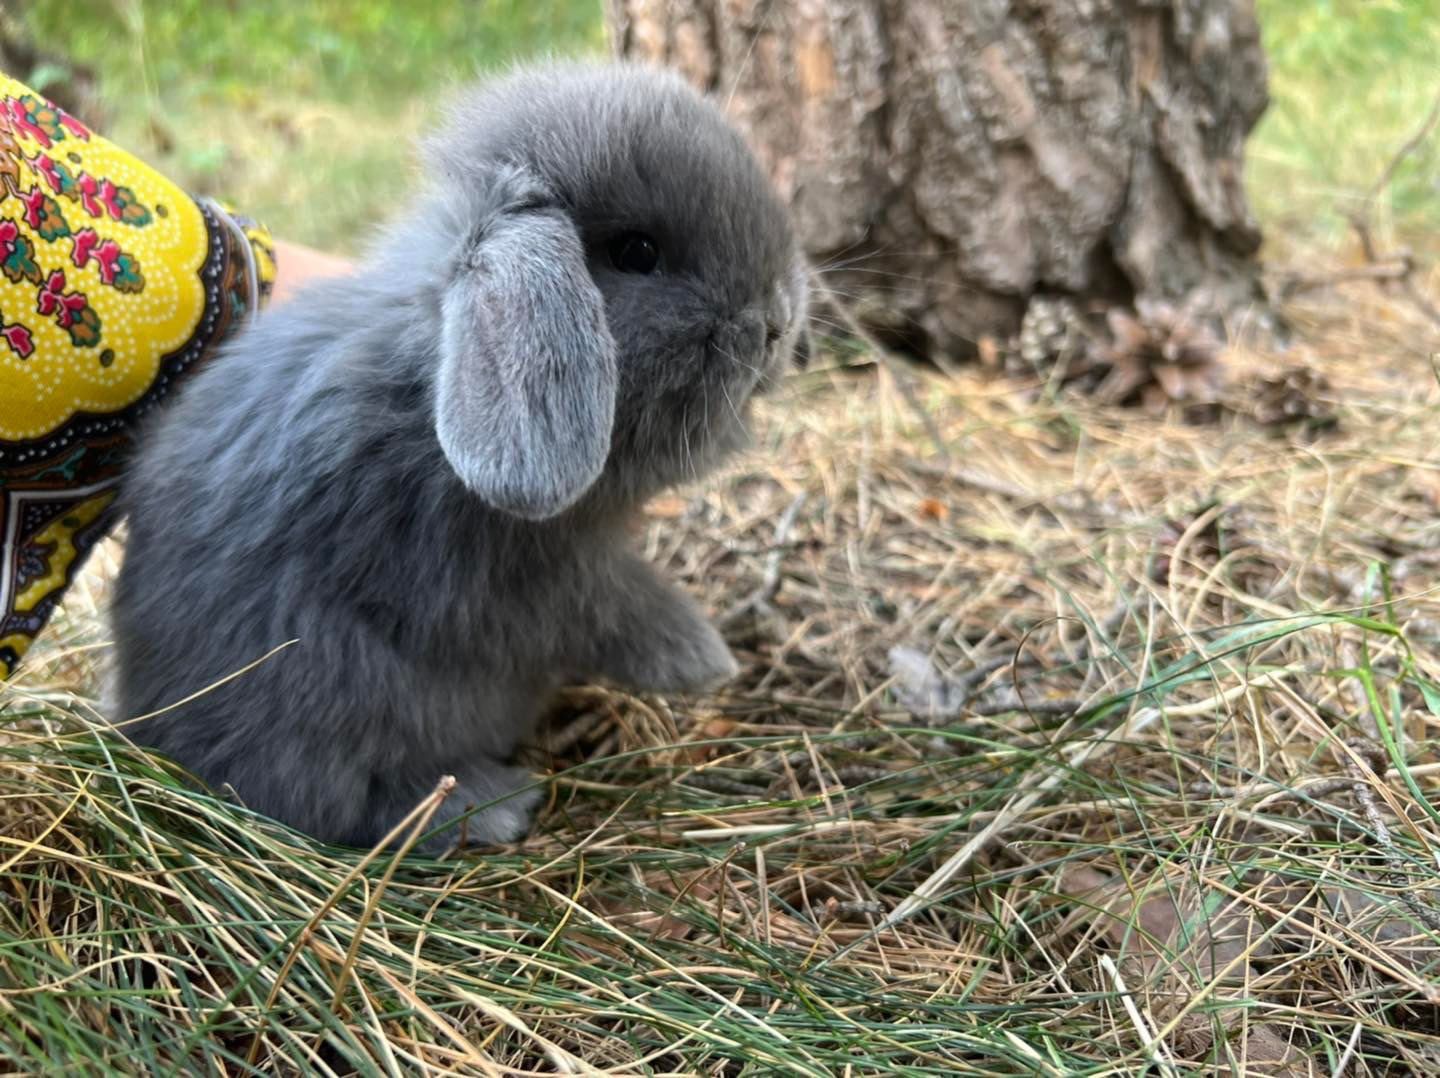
[(424, 473), (525, 396)]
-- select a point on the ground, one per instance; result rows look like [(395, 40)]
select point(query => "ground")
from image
[(1155, 785)]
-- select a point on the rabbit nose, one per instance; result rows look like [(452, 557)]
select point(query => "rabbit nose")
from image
[(740, 339), (773, 332), (802, 349)]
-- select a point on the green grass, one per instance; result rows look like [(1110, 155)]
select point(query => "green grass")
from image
[(246, 928), (301, 112), (183, 936), (1350, 81)]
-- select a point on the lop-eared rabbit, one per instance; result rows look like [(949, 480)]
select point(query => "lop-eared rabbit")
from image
[(423, 473)]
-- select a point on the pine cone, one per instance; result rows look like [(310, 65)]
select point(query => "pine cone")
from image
[(1298, 395), (1159, 354), (1051, 332)]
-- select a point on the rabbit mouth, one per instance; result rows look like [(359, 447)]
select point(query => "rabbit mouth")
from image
[(787, 332), (786, 350), (741, 349)]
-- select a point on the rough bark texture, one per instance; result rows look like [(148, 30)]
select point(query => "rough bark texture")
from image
[(947, 160)]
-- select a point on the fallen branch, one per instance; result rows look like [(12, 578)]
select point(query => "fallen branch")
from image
[(1401, 267)]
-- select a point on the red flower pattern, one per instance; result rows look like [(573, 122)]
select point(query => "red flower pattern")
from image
[(106, 254), (53, 299), (109, 197), (86, 241), (88, 188), (21, 119), (74, 126), (33, 119), (34, 200), (46, 168), (19, 339)]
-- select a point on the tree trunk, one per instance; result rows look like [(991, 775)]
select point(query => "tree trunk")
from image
[(949, 160)]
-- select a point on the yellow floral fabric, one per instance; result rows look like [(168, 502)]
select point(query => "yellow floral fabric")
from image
[(114, 285)]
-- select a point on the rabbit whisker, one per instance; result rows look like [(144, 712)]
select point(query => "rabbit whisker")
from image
[(838, 259), (685, 438), (705, 423), (733, 358), (733, 410)]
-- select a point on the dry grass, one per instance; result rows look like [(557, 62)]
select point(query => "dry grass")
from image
[(1172, 807)]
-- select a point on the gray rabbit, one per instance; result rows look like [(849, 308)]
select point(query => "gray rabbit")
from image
[(424, 473)]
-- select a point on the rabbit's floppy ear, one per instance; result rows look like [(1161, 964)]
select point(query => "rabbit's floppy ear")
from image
[(525, 393)]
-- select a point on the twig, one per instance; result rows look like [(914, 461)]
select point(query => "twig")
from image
[(1420, 300), (723, 784), (1272, 796), (1396, 270), (770, 582), (1365, 762), (560, 739), (1154, 1047), (771, 830), (833, 909), (1038, 785), (411, 826), (987, 709), (1349, 1053), (851, 775), (1408, 147), (426, 813), (972, 477), (1404, 277)]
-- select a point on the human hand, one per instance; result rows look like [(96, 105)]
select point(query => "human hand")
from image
[(296, 266)]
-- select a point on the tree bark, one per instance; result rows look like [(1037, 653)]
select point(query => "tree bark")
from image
[(949, 160)]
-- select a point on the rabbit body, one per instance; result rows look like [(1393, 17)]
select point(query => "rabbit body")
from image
[(420, 478)]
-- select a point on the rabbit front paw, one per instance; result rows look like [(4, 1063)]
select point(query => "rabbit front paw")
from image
[(681, 652), (492, 807), (698, 664), (650, 636)]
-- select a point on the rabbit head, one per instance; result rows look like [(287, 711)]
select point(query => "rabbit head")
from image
[(619, 278)]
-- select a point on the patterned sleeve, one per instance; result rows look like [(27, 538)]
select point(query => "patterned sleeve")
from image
[(114, 285)]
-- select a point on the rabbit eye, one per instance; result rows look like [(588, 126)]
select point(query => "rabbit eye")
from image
[(634, 252)]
